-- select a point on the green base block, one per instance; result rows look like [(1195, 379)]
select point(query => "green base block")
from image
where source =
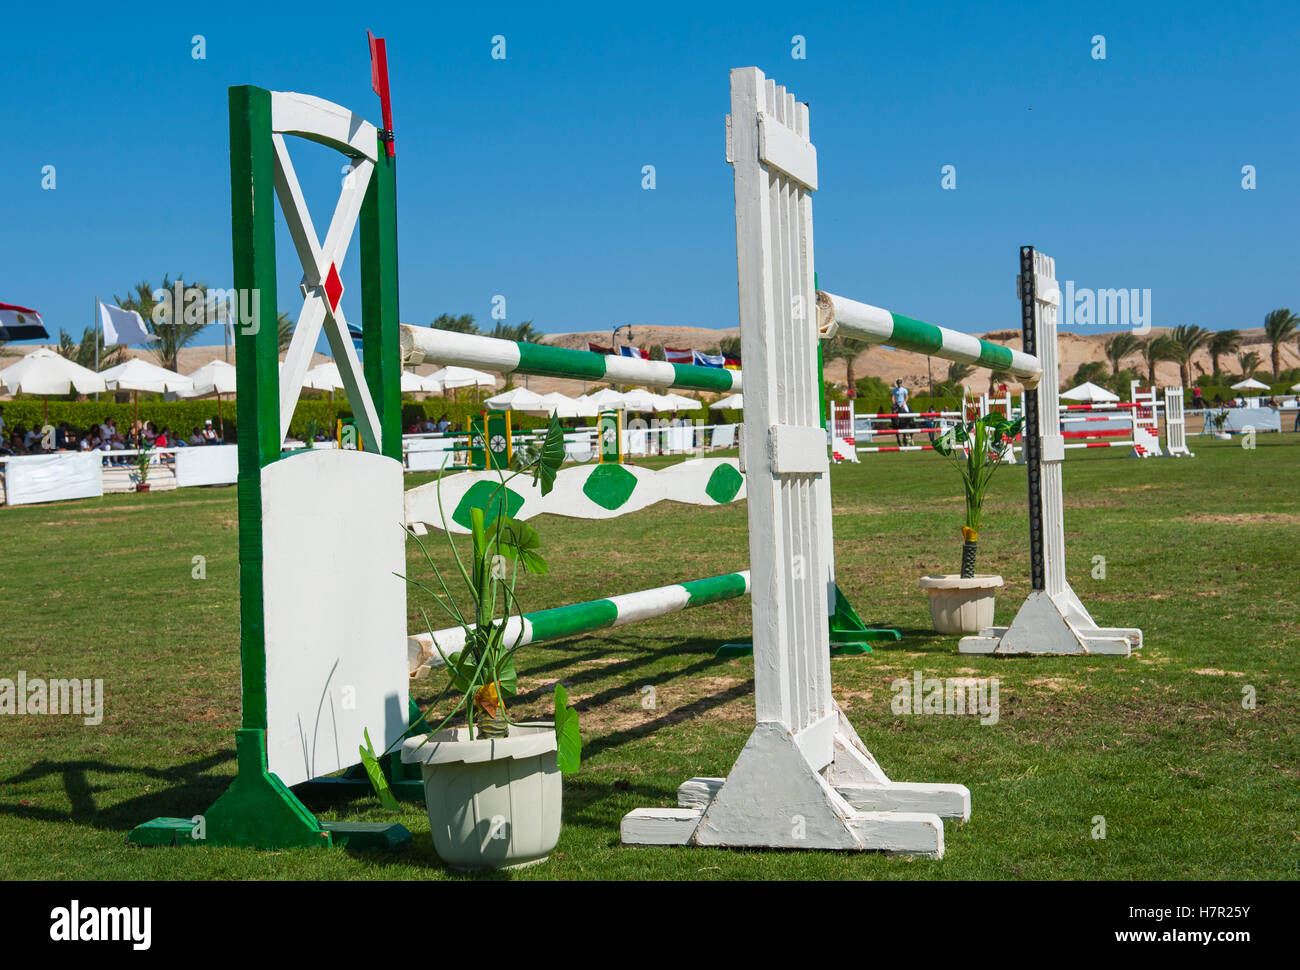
[(848, 631), (368, 836)]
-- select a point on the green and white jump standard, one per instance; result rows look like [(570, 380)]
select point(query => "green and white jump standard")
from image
[(314, 677)]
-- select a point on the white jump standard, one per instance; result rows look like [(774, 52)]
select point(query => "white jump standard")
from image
[(1052, 620), (804, 779)]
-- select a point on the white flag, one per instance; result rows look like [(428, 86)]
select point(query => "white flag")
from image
[(122, 326)]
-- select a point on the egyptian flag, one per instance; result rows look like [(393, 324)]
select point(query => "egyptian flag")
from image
[(675, 355), (598, 349), (634, 352), (731, 362), (20, 323)]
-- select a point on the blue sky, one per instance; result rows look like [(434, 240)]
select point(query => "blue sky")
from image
[(523, 177)]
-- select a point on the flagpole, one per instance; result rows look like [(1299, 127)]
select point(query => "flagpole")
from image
[(97, 340)]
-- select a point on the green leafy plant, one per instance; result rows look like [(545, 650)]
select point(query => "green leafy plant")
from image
[(976, 447), (143, 461), (310, 430), (481, 676)]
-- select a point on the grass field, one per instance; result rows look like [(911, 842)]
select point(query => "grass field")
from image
[(1203, 554)]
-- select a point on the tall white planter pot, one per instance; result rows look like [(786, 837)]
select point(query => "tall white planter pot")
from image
[(960, 605), (495, 802)]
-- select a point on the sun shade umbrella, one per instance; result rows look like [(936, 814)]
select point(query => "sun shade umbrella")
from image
[(44, 372), (1090, 393), (736, 401), (324, 377), (1250, 384), (213, 380), (515, 399), (606, 399), (567, 407), (136, 375)]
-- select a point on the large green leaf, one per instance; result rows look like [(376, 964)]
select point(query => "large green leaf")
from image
[(376, 775), (552, 456), (519, 540), (568, 754)]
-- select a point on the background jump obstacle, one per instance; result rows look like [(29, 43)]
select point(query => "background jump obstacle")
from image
[(1052, 619), (313, 681), (803, 779)]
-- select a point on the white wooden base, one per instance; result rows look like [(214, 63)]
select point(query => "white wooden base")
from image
[(1055, 625), (775, 798)]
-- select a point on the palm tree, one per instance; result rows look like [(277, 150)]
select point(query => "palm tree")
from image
[(729, 345), (1223, 342), (996, 377), (1120, 346), (1249, 363), (523, 333), (461, 324), (1188, 338), (92, 345), (177, 326), (284, 326), (1278, 327), (958, 372), (846, 349), (1154, 350)]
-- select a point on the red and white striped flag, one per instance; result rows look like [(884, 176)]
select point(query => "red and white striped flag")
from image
[(21, 323), (676, 355)]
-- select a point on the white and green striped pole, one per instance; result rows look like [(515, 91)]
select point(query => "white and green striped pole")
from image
[(430, 346), (578, 618), (839, 315)]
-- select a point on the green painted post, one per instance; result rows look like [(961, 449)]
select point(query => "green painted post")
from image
[(379, 300)]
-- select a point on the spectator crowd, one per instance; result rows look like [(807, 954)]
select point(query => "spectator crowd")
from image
[(104, 437)]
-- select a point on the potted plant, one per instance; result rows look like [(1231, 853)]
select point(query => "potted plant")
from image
[(491, 784), (309, 433), (143, 462), (1218, 419), (963, 603)]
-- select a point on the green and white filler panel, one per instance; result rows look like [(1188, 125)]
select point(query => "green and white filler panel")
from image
[(322, 613)]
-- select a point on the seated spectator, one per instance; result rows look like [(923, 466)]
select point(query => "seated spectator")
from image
[(160, 439), (31, 440), (63, 437), (196, 437), (209, 433), (443, 423), (429, 426)]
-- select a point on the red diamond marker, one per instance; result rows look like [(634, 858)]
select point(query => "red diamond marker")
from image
[(333, 287)]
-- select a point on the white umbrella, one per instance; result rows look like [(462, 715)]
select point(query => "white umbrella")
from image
[(44, 372), (323, 377), (1295, 387), (606, 398), (412, 382), (736, 401), (679, 402), (213, 380), (136, 375), (450, 377), (516, 399), (1089, 393), (567, 407), (639, 399), (1250, 384)]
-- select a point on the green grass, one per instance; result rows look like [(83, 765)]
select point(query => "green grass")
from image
[(1200, 553)]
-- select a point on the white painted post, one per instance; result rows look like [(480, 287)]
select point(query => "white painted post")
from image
[(1175, 424), (803, 779), (1052, 620)]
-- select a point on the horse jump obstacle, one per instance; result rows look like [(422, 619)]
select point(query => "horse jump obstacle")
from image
[(597, 491)]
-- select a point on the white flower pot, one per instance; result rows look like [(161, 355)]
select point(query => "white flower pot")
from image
[(493, 803), (961, 605)]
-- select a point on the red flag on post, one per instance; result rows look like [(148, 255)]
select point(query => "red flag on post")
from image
[(379, 81)]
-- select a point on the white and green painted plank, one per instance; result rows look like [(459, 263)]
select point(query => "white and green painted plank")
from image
[(583, 492), (580, 618), (431, 346), (837, 315)]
